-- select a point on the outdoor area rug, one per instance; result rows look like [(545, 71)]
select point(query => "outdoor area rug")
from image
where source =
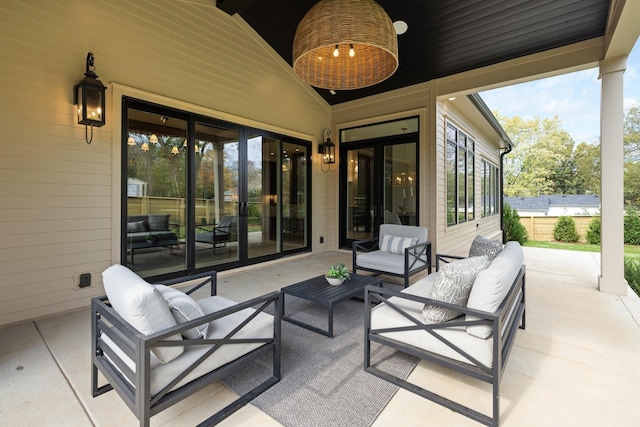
[(323, 380)]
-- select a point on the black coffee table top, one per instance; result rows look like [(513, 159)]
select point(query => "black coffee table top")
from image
[(318, 290)]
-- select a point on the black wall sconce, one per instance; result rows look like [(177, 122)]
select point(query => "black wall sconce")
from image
[(89, 98), (327, 149)]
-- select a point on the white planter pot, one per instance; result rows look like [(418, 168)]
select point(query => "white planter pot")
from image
[(334, 282)]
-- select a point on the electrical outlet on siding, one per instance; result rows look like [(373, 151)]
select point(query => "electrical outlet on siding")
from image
[(76, 280)]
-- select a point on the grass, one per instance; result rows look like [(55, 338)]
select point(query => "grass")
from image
[(630, 251), (631, 257)]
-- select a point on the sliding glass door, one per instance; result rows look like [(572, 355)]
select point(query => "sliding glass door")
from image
[(202, 194), (216, 170)]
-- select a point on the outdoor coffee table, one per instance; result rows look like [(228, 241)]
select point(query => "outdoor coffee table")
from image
[(137, 246), (318, 291)]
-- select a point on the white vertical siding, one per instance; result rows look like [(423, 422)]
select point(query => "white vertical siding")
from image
[(57, 193)]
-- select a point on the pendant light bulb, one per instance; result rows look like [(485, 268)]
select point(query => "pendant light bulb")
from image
[(351, 51), (336, 52)]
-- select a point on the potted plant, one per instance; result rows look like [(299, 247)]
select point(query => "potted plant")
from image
[(337, 274), (152, 238)]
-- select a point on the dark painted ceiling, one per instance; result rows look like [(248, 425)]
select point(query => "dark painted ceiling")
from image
[(445, 37)]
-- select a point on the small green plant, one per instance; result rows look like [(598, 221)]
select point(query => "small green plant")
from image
[(565, 230), (593, 233), (514, 230), (338, 271), (632, 227), (151, 237), (632, 273)]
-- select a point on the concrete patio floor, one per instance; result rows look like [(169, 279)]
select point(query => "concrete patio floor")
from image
[(575, 364)]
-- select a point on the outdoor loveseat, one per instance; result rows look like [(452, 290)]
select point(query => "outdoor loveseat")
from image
[(139, 227), (474, 337), (399, 250), (156, 346)]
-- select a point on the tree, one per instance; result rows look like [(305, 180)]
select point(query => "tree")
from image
[(632, 156), (513, 228), (565, 230), (632, 134), (587, 161), (542, 159), (593, 233)]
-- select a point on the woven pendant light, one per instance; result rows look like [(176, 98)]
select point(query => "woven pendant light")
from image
[(362, 34)]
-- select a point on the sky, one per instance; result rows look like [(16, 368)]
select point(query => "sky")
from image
[(574, 98)]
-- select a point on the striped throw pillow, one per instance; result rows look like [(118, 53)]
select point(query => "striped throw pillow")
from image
[(184, 308), (397, 245)]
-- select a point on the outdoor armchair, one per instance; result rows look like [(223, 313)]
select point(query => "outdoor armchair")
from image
[(399, 250)]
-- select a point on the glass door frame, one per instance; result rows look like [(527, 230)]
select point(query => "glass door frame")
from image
[(378, 145), (243, 133)]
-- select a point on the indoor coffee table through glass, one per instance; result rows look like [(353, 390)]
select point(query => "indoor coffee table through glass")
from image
[(318, 291)]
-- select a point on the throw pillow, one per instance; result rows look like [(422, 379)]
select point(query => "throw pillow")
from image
[(483, 246), (159, 222), (184, 308), (395, 244), (142, 306), (453, 286), (136, 227)]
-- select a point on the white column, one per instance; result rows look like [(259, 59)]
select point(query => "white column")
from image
[(611, 278)]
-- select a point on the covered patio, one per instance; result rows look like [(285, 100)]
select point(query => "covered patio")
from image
[(574, 364)]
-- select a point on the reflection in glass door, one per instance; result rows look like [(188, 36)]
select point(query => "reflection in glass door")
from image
[(379, 186), (155, 193), (360, 194), (294, 196), (216, 195), (261, 207)]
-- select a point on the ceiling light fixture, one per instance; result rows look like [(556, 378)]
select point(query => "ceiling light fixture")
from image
[(364, 26)]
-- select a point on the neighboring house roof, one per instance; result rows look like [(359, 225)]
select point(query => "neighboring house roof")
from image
[(543, 203), (575, 200)]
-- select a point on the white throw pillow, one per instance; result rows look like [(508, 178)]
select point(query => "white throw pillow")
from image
[(395, 244), (184, 308), (142, 306), (453, 286)]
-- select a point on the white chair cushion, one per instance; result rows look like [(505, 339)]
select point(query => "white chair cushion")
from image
[(381, 261), (453, 286), (382, 316), (259, 327), (492, 285), (142, 306), (184, 308)]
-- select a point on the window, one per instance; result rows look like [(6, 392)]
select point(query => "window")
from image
[(490, 189), (460, 173)]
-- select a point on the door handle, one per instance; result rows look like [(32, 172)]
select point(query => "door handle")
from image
[(244, 209)]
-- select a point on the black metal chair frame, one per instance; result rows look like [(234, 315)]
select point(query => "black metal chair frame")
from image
[(417, 258), (508, 318), (217, 236), (133, 386)]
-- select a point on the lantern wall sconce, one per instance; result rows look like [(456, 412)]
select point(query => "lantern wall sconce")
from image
[(327, 149), (89, 98)]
